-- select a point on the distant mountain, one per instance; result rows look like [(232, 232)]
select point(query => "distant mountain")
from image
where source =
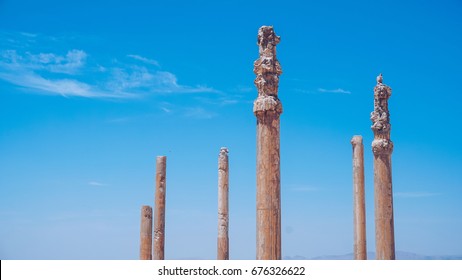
[(400, 255)]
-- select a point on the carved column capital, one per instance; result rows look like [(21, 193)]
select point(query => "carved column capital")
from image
[(266, 105), (267, 67), (380, 118), (382, 146), (223, 159)]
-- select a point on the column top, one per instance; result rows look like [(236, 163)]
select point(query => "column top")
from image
[(379, 78), (357, 140), (267, 69), (380, 118), (267, 40)]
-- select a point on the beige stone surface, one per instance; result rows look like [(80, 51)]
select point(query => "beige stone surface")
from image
[(359, 204), (223, 205), (159, 210), (267, 108), (382, 148), (146, 233)]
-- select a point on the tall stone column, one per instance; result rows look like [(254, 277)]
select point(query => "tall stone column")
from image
[(146, 233), (223, 217), (359, 205), (159, 210), (382, 148), (267, 108)]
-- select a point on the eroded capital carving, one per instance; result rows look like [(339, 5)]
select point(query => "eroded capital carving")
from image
[(380, 118), (223, 159), (267, 69)]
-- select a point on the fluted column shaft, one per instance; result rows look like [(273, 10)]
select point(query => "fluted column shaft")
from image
[(146, 233), (359, 204), (267, 108), (159, 212), (223, 215), (382, 148)]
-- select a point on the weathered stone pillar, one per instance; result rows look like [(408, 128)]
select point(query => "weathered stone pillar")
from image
[(267, 108), (382, 148), (159, 211), (359, 205), (146, 233), (223, 217)]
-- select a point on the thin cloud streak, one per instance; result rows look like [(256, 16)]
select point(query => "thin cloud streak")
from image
[(198, 113), (144, 59), (63, 87), (338, 90), (96, 184)]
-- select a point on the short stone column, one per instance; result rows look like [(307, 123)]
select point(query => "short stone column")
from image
[(267, 108), (359, 204), (159, 210), (146, 233), (382, 148), (223, 216)]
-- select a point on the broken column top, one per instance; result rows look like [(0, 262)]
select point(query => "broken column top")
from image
[(379, 78), (381, 90), (267, 69), (223, 159), (380, 118), (267, 40), (356, 140), (267, 64)]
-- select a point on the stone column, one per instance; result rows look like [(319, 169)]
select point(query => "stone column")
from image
[(267, 108), (146, 233), (159, 211), (223, 217), (382, 148), (359, 205)]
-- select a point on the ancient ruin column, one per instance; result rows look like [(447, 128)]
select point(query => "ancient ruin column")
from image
[(146, 233), (159, 211), (267, 108), (223, 217), (382, 148), (359, 205)]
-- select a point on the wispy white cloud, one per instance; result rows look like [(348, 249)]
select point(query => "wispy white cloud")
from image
[(415, 194), (96, 184), (165, 109), (198, 113), (69, 74), (338, 90), (69, 63), (64, 87), (144, 59), (135, 77), (222, 99), (245, 89)]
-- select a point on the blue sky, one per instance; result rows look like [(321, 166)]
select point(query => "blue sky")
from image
[(91, 93)]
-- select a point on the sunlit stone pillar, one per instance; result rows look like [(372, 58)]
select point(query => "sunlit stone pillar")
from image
[(359, 205), (146, 233), (267, 108), (382, 148), (223, 216), (159, 210)]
